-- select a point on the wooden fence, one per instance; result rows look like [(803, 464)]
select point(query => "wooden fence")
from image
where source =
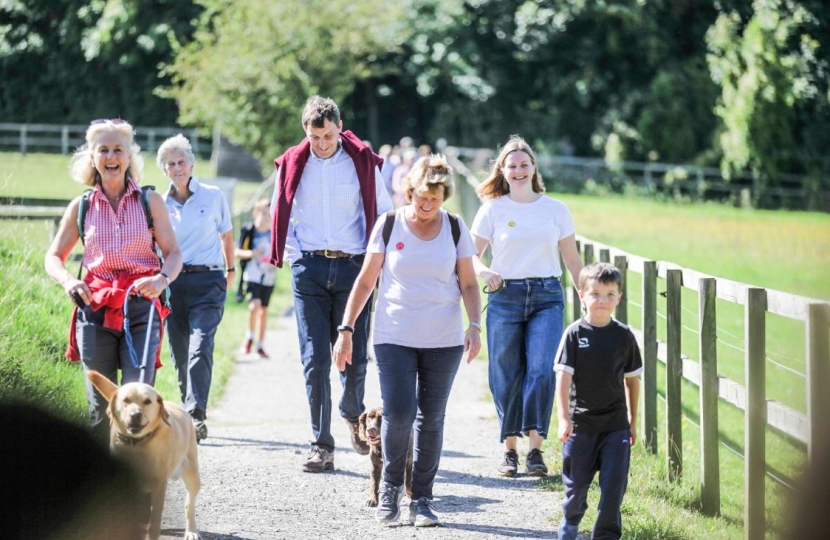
[(53, 138), (713, 389)]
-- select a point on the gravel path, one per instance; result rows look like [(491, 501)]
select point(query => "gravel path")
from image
[(253, 487)]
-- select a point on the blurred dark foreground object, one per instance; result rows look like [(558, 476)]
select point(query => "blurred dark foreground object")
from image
[(58, 483)]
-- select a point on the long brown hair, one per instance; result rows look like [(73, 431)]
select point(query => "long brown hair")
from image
[(495, 185)]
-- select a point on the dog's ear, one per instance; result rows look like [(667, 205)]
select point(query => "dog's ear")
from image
[(163, 410), (107, 388), (361, 427)]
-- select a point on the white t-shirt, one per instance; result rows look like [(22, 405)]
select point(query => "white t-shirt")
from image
[(524, 237), (260, 270), (419, 296)]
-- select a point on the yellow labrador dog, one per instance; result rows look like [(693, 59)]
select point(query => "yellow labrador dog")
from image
[(157, 439)]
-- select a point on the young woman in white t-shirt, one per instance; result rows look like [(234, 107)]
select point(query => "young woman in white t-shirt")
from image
[(419, 336), (526, 232)]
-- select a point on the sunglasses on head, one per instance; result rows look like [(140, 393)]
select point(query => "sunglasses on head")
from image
[(105, 120)]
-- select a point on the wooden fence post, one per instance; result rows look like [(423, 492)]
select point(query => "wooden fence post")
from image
[(674, 375), (65, 140), (605, 255), (756, 413), (576, 303), (818, 373), (649, 421), (621, 313), (588, 254), (709, 446), (23, 132)]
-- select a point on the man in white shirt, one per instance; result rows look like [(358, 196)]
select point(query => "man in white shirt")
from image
[(329, 192)]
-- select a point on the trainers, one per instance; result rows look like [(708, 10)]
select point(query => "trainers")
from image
[(534, 463), (422, 513), (389, 509), (510, 465), (246, 347), (262, 354), (319, 459), (360, 446), (199, 425)]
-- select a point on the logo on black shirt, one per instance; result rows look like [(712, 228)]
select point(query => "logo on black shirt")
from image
[(583, 343)]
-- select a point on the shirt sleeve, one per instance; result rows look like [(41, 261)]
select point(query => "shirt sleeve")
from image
[(566, 354), (384, 203), (482, 224), (634, 365), (466, 247), (292, 246), (566, 222), (376, 244), (274, 196), (225, 223)]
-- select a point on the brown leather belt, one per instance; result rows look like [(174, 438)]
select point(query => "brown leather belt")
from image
[(333, 254)]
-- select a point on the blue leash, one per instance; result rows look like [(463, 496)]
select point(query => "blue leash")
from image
[(129, 338)]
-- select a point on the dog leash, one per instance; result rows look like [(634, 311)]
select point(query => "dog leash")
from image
[(129, 338), (495, 291)]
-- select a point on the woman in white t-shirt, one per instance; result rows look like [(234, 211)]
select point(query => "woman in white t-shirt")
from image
[(419, 336), (526, 232)]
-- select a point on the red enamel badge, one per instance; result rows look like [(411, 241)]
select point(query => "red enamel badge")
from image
[(399, 246)]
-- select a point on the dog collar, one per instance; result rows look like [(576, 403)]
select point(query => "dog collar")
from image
[(132, 441)]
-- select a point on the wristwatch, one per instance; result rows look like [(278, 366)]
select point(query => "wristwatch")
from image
[(345, 328)]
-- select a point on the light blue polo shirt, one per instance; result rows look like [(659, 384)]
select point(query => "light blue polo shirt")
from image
[(199, 222)]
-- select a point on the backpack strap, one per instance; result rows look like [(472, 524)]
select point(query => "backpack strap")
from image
[(455, 228), (83, 206), (144, 197), (388, 225)]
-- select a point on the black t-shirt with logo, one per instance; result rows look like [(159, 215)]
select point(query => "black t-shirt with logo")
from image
[(599, 358)]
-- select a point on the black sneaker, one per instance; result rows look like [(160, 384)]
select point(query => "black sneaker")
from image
[(389, 509), (422, 513), (198, 418), (534, 463), (510, 465)]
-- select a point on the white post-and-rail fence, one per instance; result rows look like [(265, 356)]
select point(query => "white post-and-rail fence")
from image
[(759, 412), (53, 138)]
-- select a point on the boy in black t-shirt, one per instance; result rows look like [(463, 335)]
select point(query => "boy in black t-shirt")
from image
[(597, 390)]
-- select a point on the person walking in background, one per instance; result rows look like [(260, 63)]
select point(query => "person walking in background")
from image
[(408, 156), (202, 222), (526, 232), (597, 393), (426, 258), (260, 275), (119, 255), (328, 195)]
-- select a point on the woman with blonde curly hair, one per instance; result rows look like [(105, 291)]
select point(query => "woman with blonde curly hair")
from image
[(119, 255), (526, 232), (419, 335)]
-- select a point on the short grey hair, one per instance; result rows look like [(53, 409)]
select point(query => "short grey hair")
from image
[(176, 142)]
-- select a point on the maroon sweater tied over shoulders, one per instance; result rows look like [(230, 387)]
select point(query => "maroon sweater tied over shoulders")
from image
[(290, 168)]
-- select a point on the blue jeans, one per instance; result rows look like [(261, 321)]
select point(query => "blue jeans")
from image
[(197, 303), (582, 456), (415, 386), (106, 352), (321, 289), (524, 326)]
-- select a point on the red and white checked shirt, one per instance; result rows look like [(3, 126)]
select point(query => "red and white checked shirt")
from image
[(118, 241)]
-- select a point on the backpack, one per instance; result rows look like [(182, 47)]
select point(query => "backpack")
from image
[(389, 224)]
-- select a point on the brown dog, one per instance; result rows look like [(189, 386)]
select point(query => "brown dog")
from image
[(368, 429), (157, 439)]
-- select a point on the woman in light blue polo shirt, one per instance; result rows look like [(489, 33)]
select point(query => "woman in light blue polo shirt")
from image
[(202, 222)]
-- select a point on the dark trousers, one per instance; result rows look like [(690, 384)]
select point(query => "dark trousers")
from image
[(106, 351), (321, 289), (415, 386), (583, 455), (197, 303)]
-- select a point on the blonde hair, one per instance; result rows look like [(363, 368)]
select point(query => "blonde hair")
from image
[(495, 185), (81, 166), (176, 142), (262, 204), (429, 173)]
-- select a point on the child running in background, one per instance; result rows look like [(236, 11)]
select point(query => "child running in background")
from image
[(259, 276), (597, 389)]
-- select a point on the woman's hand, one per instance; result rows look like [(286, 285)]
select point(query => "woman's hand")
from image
[(492, 279), (472, 343), (150, 287), (342, 352), (73, 286)]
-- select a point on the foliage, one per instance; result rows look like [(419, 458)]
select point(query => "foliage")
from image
[(770, 74), (252, 64)]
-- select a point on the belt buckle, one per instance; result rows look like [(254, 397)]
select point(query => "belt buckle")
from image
[(327, 256)]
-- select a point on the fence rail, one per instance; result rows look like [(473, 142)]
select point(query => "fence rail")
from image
[(713, 388), (53, 138)]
